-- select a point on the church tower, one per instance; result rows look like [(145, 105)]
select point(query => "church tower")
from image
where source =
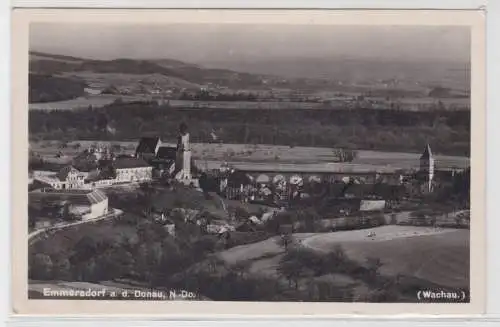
[(427, 168), (183, 158)]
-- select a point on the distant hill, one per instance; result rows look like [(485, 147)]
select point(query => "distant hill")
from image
[(36, 55), (380, 78), (49, 64)]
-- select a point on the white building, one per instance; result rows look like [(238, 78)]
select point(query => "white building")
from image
[(126, 170), (87, 204), (92, 91), (67, 178), (132, 170)]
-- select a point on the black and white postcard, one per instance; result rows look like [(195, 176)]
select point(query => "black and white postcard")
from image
[(253, 162)]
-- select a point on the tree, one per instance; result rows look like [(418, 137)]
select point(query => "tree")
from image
[(292, 266), (89, 271), (241, 214), (214, 262), (41, 267), (290, 270), (285, 240), (67, 214), (62, 269), (373, 266), (345, 155), (240, 267)]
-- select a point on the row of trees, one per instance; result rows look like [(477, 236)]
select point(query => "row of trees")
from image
[(204, 95), (449, 132)]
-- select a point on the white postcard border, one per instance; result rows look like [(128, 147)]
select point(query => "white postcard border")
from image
[(19, 174)]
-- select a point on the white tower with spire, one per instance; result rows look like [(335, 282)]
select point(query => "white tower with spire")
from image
[(183, 162), (427, 167)]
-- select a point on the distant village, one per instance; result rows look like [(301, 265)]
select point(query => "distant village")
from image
[(79, 189)]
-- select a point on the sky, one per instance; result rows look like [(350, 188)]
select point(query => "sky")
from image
[(205, 43)]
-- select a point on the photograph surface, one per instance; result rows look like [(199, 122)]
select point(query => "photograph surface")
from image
[(249, 162)]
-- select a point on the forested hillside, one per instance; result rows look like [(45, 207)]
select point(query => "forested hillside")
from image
[(47, 88)]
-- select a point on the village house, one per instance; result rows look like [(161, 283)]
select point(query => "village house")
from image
[(102, 173), (67, 178), (92, 91), (85, 204)]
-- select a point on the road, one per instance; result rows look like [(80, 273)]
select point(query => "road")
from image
[(32, 236)]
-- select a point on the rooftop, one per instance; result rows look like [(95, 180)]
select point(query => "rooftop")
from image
[(427, 153), (147, 145), (63, 173), (83, 197), (125, 163), (167, 152)]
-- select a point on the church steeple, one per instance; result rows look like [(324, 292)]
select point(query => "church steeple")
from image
[(183, 162), (427, 167), (427, 153)]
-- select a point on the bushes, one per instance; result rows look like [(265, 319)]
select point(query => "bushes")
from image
[(300, 258)]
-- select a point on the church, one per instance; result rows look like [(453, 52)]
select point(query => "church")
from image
[(173, 161)]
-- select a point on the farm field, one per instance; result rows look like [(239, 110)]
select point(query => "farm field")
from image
[(105, 99), (268, 156), (378, 103), (83, 102), (440, 256)]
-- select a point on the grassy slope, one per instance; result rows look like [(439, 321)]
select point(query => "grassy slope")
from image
[(441, 259)]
